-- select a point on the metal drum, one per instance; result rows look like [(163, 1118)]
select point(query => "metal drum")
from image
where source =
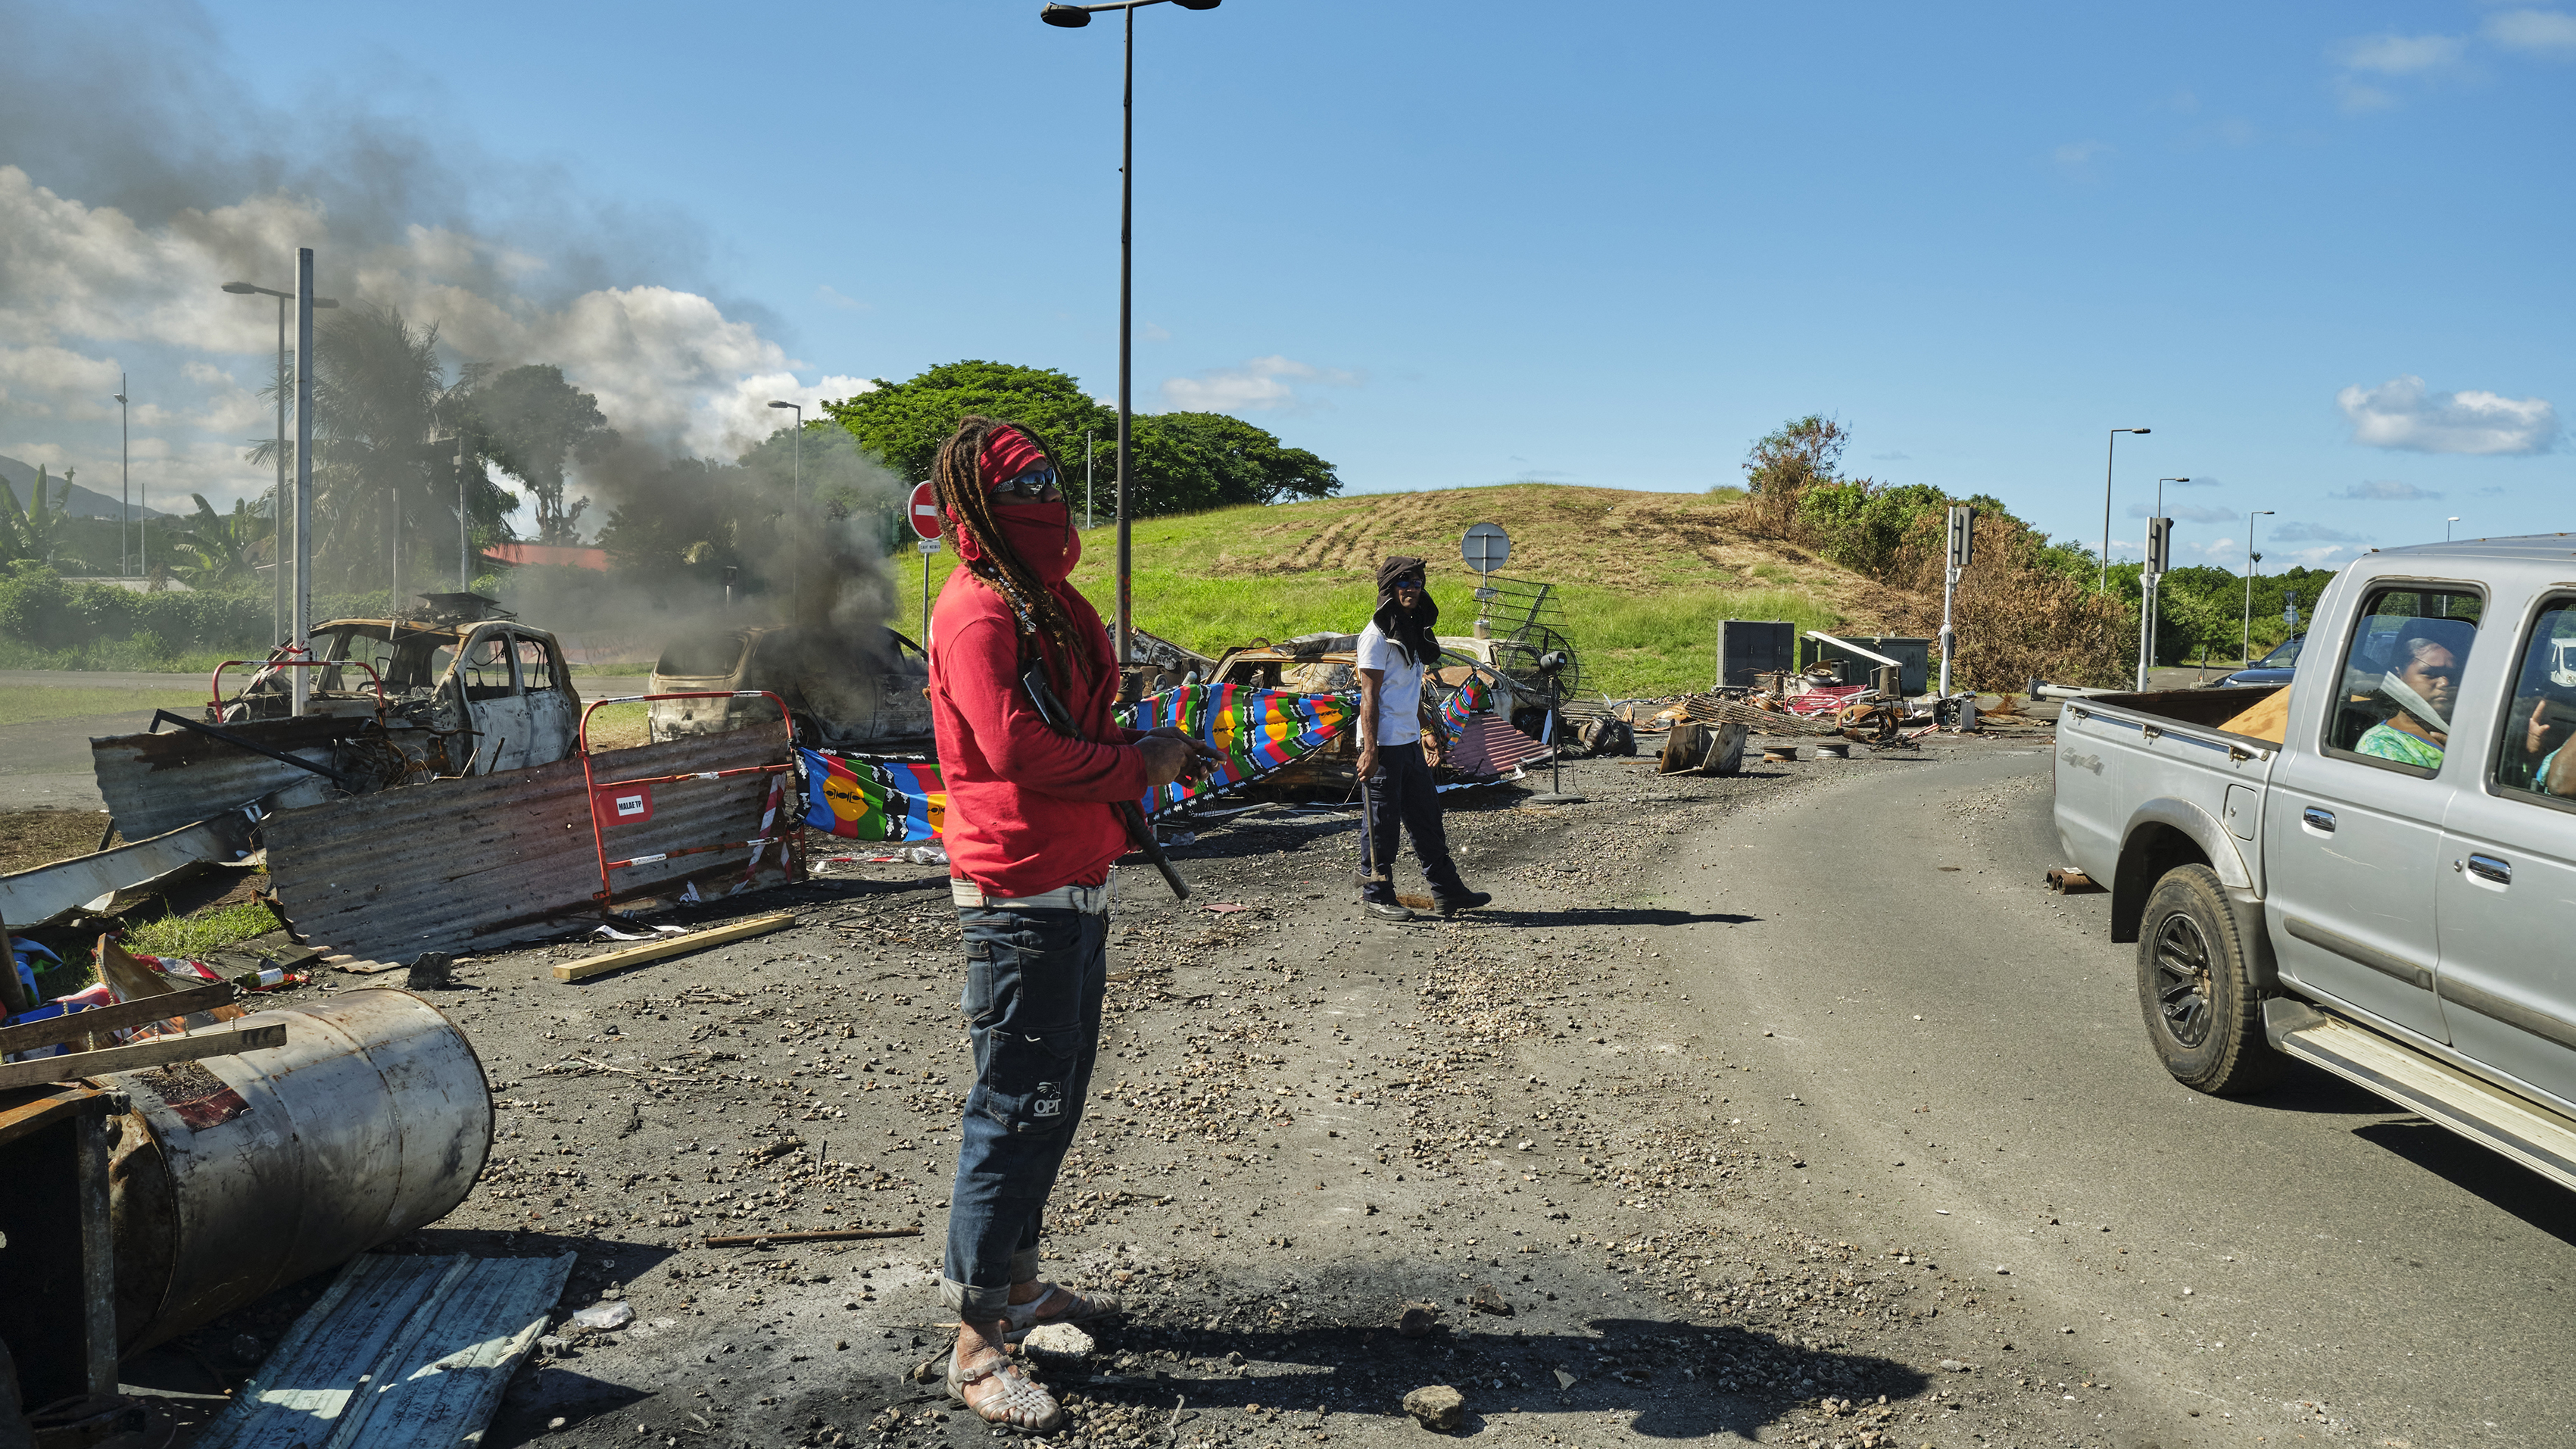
[(237, 1175)]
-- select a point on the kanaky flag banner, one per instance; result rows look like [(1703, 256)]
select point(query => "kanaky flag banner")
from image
[(873, 799), (1471, 698), (1256, 730)]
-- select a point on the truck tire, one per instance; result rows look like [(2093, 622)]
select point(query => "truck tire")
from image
[(2203, 1015)]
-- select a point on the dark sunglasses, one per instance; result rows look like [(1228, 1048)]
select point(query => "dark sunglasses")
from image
[(1414, 583), (1035, 486)]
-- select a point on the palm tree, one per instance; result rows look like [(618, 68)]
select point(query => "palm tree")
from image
[(36, 531), (218, 547), (385, 450)]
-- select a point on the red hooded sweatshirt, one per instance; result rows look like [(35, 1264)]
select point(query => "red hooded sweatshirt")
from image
[(1029, 810)]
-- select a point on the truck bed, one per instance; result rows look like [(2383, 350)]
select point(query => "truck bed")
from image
[(2130, 765)]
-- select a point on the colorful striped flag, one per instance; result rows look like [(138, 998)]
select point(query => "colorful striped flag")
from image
[(1256, 730), (873, 799), (1470, 699)]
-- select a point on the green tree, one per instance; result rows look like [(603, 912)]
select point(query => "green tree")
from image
[(217, 549), (531, 423), (1184, 462), (385, 452), (36, 532)]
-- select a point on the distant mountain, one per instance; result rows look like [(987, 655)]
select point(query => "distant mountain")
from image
[(85, 502)]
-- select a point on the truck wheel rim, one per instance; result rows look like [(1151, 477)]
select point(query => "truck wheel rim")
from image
[(2182, 979)]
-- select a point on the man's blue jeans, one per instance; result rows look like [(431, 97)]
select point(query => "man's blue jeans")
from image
[(1034, 980)]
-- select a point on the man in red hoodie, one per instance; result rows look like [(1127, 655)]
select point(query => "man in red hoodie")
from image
[(1032, 829)]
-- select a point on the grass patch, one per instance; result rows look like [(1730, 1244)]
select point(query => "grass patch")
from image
[(208, 930), (1642, 579), (41, 702), (118, 654)]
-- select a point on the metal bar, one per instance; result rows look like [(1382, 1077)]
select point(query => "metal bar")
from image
[(699, 775), (696, 850), (590, 781), (303, 588), (1854, 648), (228, 737)]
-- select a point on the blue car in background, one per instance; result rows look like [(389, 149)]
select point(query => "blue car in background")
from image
[(2272, 668)]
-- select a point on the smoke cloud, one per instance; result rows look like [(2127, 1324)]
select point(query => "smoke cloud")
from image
[(136, 179)]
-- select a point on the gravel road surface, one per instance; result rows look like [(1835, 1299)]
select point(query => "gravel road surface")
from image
[(1690, 1136)]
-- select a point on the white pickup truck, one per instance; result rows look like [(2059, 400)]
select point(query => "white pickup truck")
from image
[(2374, 872)]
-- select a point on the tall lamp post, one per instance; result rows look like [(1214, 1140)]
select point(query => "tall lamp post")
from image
[(1074, 17), (2245, 647), (277, 500), (125, 478), (795, 500), (2103, 585), (2156, 600), (2446, 523)]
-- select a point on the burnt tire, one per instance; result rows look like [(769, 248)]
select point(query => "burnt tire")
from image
[(2204, 1016)]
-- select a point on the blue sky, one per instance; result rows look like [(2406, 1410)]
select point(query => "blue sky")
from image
[(2320, 250)]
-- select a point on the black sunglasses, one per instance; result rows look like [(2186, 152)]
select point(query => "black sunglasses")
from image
[(1035, 486)]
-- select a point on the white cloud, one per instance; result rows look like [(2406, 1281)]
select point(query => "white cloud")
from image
[(1258, 385), (2401, 414), (2537, 32), (2385, 490), (2358, 99), (2292, 531), (669, 367), (2400, 54), (2077, 156)]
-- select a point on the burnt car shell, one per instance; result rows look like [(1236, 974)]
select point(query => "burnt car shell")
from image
[(840, 694)]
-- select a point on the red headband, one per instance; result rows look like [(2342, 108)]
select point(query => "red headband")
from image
[(1007, 454)]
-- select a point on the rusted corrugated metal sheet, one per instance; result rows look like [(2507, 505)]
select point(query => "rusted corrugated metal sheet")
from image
[(470, 864), (1488, 746), (158, 782)]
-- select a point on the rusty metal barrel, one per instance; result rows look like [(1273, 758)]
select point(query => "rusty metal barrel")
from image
[(237, 1175)]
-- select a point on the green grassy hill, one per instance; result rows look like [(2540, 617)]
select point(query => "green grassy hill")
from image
[(1643, 578)]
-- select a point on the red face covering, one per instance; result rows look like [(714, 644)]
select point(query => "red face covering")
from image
[(1041, 535)]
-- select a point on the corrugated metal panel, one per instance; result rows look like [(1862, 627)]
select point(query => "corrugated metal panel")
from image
[(33, 897), (397, 1352), (158, 782), (470, 864), (1488, 746)]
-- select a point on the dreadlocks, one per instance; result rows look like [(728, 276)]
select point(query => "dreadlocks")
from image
[(957, 477)]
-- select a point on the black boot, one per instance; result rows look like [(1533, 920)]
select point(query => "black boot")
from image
[(1450, 903)]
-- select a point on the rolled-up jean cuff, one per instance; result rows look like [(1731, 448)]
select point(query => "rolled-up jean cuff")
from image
[(966, 1298), (972, 1302)]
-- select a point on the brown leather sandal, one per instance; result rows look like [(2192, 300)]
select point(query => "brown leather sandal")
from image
[(1021, 1402), (1067, 1307)]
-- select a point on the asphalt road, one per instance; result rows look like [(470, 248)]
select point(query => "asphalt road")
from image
[(1961, 1055), (45, 764)]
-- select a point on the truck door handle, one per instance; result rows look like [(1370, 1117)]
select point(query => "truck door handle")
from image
[(2487, 867), (2320, 819)]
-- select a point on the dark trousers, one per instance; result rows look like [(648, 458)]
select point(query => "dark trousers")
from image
[(1401, 796), (1034, 981)]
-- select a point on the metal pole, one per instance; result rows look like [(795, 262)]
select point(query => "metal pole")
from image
[(928, 547), (277, 499), (1088, 450), (1126, 351), (2245, 646), (796, 494), (2102, 585), (464, 539), (2146, 591), (303, 596), (1949, 637), (125, 479)]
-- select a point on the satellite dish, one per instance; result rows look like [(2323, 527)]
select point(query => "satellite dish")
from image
[(1486, 547)]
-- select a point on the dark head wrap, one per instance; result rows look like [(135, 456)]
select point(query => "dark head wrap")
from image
[(1410, 633)]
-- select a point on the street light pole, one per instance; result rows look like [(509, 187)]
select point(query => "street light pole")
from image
[(2103, 585), (300, 645), (1074, 17), (2446, 527), (125, 477), (795, 501), (277, 500), (2245, 647), (1087, 451)]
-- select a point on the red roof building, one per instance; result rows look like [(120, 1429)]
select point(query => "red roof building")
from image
[(515, 555)]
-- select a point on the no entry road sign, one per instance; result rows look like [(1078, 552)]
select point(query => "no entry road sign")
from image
[(924, 512)]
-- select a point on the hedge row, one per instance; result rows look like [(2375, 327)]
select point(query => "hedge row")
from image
[(40, 609)]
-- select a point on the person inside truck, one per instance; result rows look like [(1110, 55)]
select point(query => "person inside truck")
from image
[(2536, 757), (2423, 678)]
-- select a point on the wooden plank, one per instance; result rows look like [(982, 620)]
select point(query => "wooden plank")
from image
[(828, 1235), (157, 1052), (57, 1029), (38, 1110), (676, 945)]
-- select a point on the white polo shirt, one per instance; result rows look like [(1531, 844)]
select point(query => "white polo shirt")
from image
[(1399, 695)]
